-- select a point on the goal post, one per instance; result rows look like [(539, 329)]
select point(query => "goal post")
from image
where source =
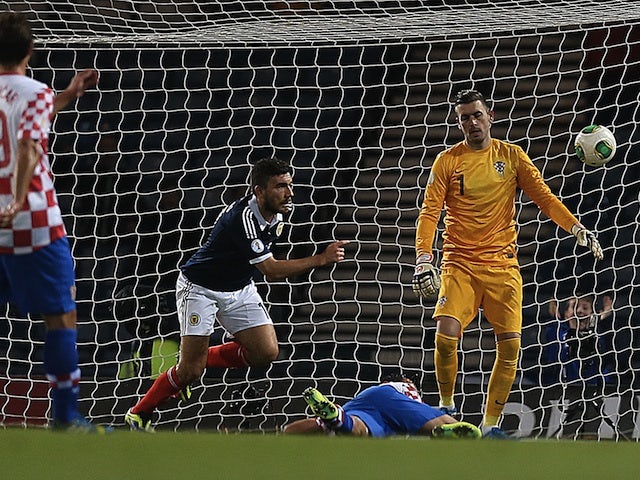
[(357, 96)]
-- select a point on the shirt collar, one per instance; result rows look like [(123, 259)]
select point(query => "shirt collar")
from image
[(253, 205)]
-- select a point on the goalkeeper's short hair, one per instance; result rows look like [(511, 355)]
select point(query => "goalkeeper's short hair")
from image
[(464, 97)]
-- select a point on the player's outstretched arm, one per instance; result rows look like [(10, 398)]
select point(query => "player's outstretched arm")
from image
[(585, 238), (334, 253), (79, 84), (280, 269)]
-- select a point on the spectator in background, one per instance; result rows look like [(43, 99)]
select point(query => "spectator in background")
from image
[(585, 345), (552, 308), (586, 356), (553, 324), (151, 321)]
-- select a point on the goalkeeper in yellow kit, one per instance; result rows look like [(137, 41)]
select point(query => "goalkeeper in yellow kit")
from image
[(476, 181)]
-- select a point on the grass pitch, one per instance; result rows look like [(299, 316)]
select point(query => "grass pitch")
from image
[(37, 454)]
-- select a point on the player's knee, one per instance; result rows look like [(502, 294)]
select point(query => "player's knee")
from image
[(508, 350), (446, 345), (262, 356)]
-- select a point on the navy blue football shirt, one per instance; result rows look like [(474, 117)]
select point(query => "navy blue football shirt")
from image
[(239, 239)]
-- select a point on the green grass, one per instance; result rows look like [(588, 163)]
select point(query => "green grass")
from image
[(40, 454)]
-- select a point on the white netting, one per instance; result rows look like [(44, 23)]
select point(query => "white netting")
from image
[(357, 96)]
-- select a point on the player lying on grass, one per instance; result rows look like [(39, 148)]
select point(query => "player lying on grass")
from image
[(394, 407)]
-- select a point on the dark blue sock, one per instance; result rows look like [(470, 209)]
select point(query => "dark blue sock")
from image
[(61, 367)]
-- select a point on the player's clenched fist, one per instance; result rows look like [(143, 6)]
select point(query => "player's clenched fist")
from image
[(8, 213), (82, 81), (426, 280), (335, 251)]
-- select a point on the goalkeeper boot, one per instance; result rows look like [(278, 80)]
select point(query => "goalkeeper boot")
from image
[(140, 422), (457, 430), (79, 425), (321, 406), (496, 433), (449, 410)]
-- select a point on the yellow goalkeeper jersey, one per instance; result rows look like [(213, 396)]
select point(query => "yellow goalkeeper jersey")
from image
[(477, 189)]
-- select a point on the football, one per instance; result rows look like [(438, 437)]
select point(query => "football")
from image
[(595, 145)]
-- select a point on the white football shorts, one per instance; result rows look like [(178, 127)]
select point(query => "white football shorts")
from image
[(199, 307)]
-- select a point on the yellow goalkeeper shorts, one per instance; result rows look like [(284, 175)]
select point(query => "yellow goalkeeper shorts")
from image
[(466, 287)]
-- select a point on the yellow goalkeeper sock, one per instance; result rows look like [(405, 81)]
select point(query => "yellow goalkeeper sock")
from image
[(446, 363), (501, 380), (489, 421)]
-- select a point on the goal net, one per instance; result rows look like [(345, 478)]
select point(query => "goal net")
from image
[(357, 96)]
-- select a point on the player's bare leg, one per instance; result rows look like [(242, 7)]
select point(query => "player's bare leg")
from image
[(193, 358), (191, 365), (256, 346), (359, 428), (260, 343), (312, 426), (304, 426)]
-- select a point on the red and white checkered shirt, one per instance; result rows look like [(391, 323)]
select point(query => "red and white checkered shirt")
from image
[(26, 106), (406, 388)]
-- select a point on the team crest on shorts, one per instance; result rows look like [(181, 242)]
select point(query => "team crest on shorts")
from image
[(257, 246), (442, 301), (194, 319)]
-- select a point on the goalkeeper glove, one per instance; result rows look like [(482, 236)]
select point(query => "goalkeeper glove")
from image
[(426, 280), (585, 238)]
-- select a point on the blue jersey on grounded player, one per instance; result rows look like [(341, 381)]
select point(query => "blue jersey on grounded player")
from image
[(391, 408), (240, 238)]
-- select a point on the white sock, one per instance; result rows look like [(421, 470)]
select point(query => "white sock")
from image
[(487, 428)]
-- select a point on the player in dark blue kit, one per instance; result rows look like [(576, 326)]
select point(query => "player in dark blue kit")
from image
[(394, 407), (217, 284)]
